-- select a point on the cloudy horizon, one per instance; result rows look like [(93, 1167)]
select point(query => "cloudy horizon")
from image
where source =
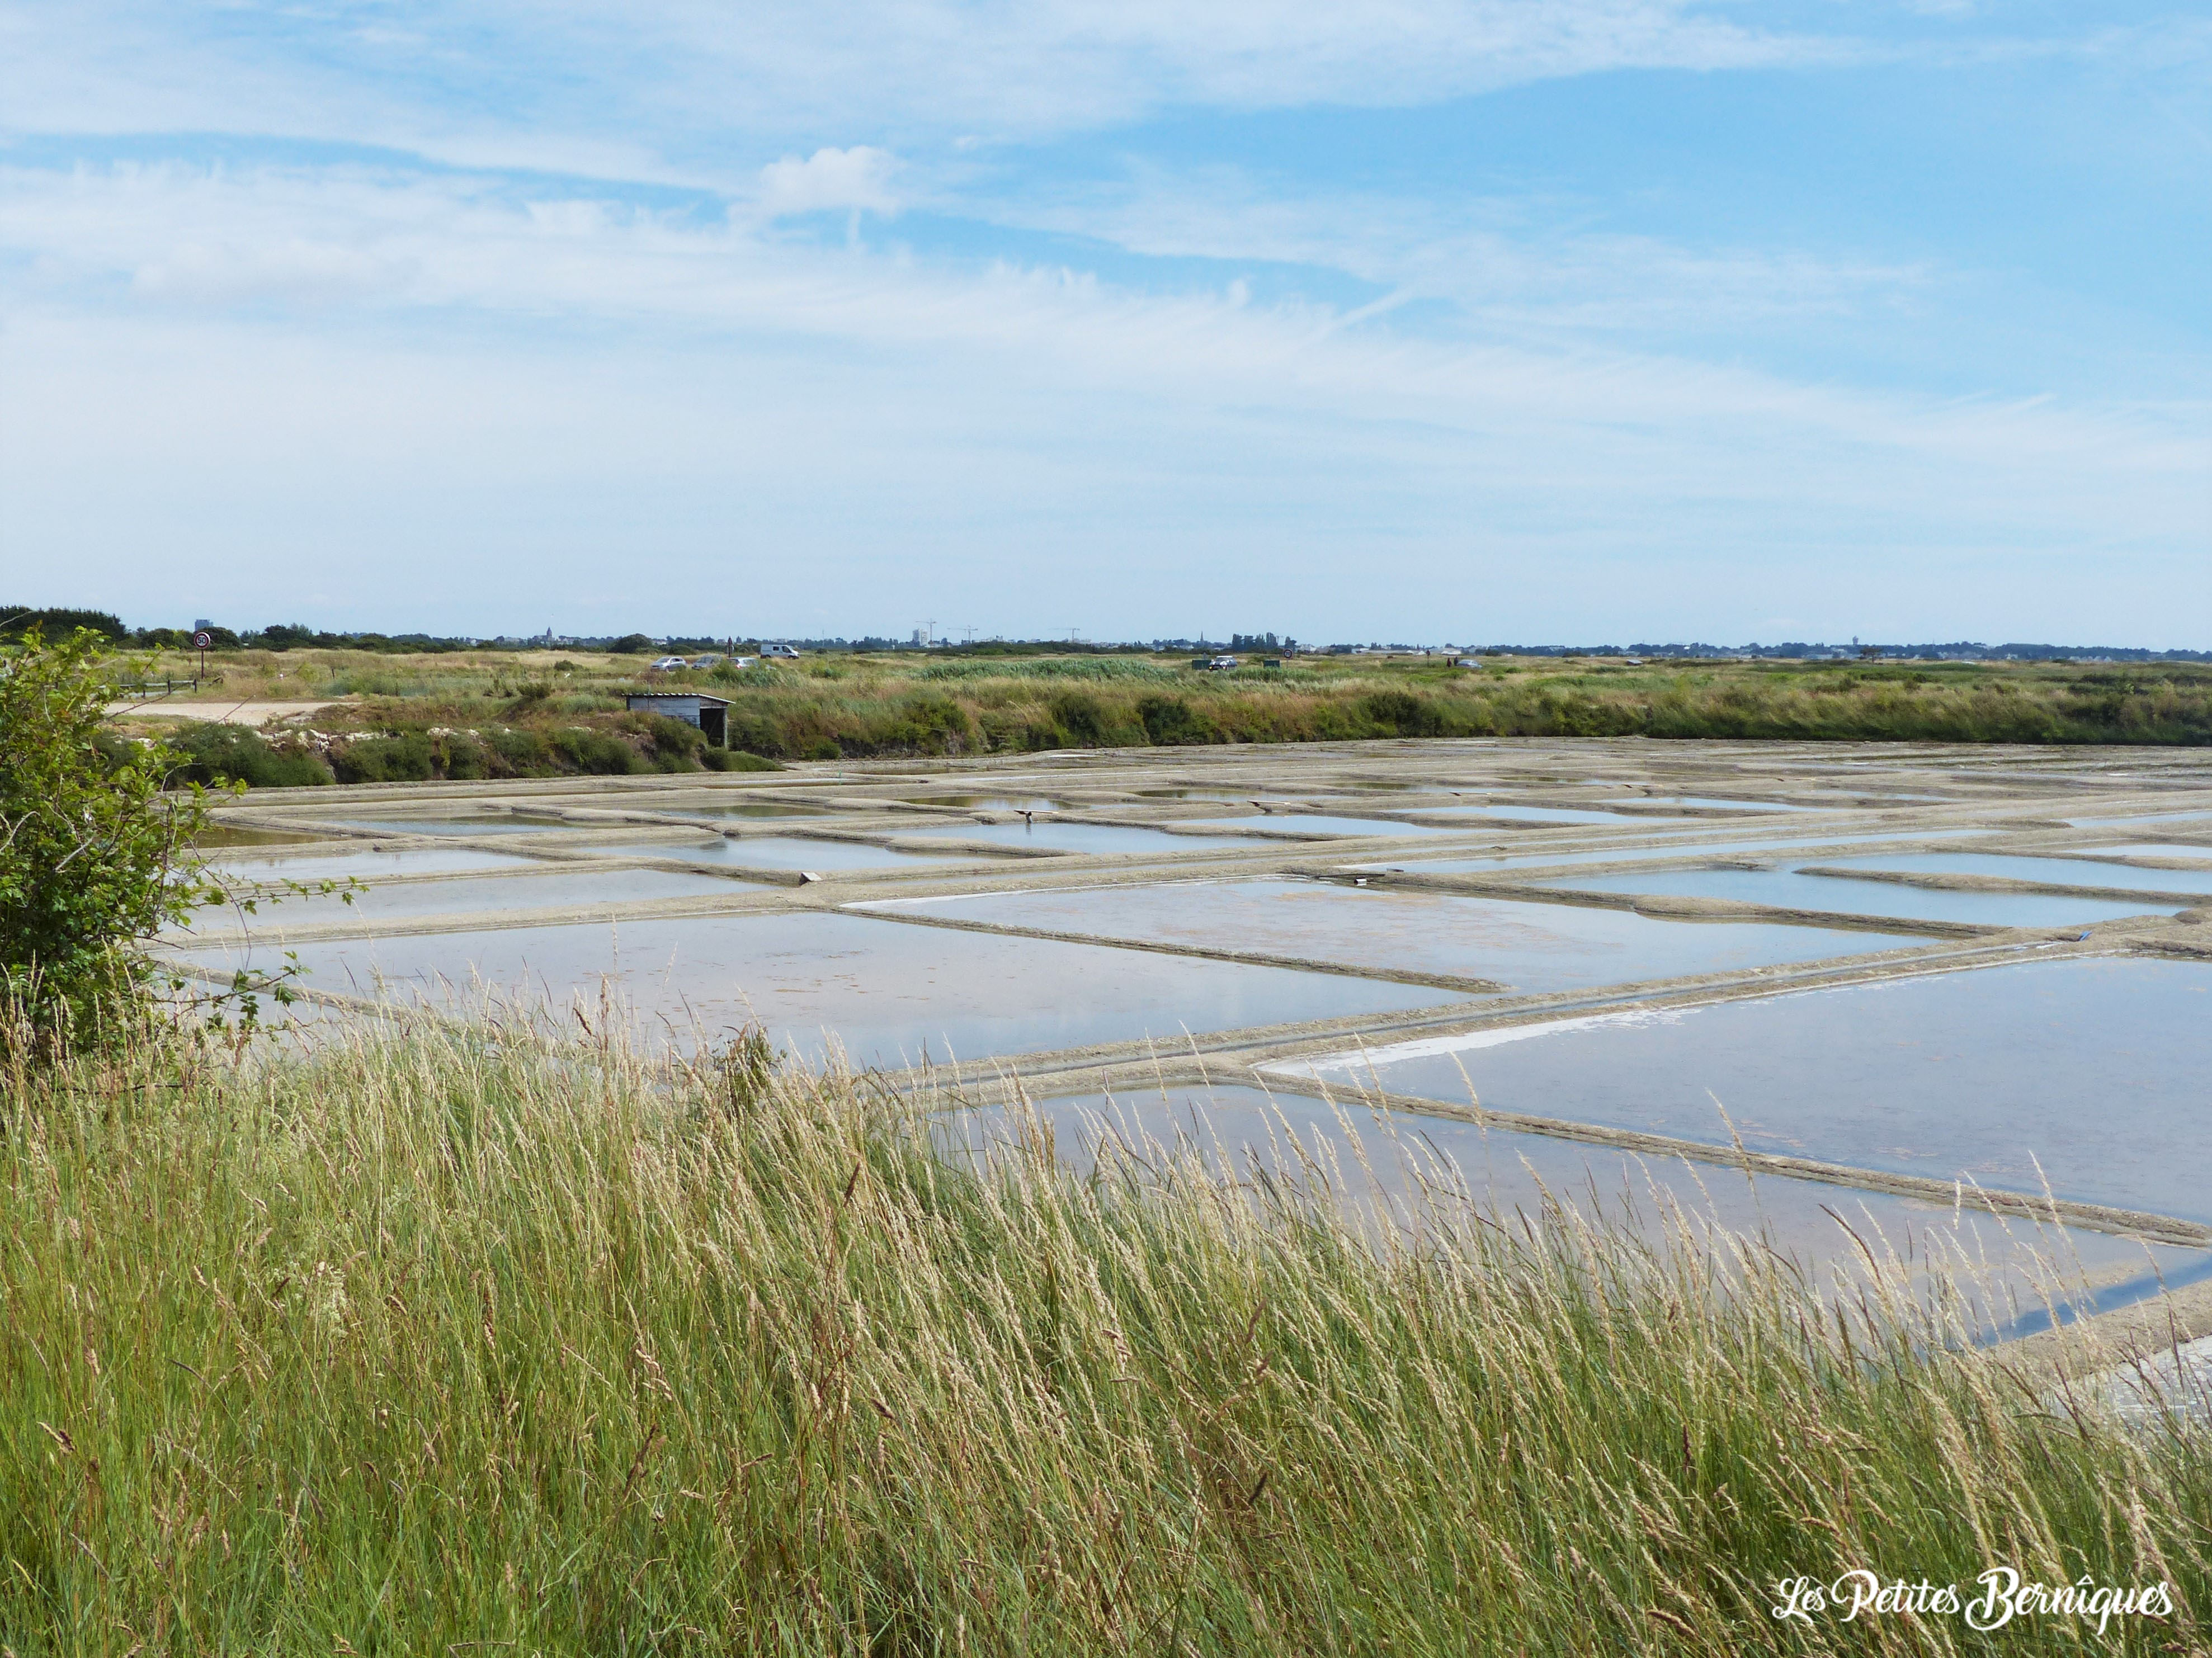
[(1569, 319)]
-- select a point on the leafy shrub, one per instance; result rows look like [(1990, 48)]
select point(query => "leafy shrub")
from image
[(89, 846), (525, 754), (404, 759), (599, 753), (675, 744), (1079, 714), (214, 754), (460, 754), (1169, 720), (735, 760), (758, 733), (1401, 714)]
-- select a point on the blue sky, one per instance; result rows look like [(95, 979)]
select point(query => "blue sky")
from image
[(1424, 319)]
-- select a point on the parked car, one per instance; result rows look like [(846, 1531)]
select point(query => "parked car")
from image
[(712, 659), (668, 663)]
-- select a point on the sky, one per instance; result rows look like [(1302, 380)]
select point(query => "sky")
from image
[(1467, 320)]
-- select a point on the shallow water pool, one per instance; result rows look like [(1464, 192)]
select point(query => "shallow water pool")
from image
[(570, 888), (2144, 849), (775, 851), (1531, 947), (988, 802), (758, 809), (890, 992), (1768, 845), (1509, 814), (2057, 871), (1714, 803), (2096, 1074), (1313, 823), (368, 865), (1096, 840), (1367, 1162), (2154, 818), (490, 824), (1787, 889)]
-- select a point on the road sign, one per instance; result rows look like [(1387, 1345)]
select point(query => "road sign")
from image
[(201, 641)]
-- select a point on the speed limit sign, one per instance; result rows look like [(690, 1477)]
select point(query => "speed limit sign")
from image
[(203, 639)]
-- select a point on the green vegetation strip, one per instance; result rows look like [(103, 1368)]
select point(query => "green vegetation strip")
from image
[(494, 715)]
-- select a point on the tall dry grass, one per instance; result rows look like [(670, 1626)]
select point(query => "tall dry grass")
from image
[(861, 705), (426, 1342)]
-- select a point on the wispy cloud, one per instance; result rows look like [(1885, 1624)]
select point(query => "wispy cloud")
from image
[(684, 70), (565, 281), (421, 249)]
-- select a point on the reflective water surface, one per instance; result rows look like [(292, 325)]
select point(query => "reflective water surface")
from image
[(1367, 1161), (2145, 849), (1778, 848), (991, 802), (1787, 889), (892, 993), (1314, 823), (487, 823), (2057, 871), (1531, 947), (518, 895), (757, 809), (1544, 814), (1094, 839), (2095, 1075), (367, 865), (775, 851)]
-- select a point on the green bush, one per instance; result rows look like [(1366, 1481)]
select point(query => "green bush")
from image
[(758, 734), (1080, 717), (735, 760), (598, 753), (676, 746), (1401, 714), (1169, 720), (404, 759), (94, 858), (931, 723), (523, 754), (460, 754), (214, 754)]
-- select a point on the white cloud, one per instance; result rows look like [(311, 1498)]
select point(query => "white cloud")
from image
[(831, 180)]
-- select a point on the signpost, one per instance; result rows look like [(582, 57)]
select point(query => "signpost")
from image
[(201, 641)]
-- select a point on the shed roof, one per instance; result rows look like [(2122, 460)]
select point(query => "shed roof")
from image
[(636, 697)]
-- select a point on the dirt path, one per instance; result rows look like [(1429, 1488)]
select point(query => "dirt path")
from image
[(227, 714)]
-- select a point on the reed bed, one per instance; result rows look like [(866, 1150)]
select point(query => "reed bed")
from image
[(532, 715), (421, 1340)]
